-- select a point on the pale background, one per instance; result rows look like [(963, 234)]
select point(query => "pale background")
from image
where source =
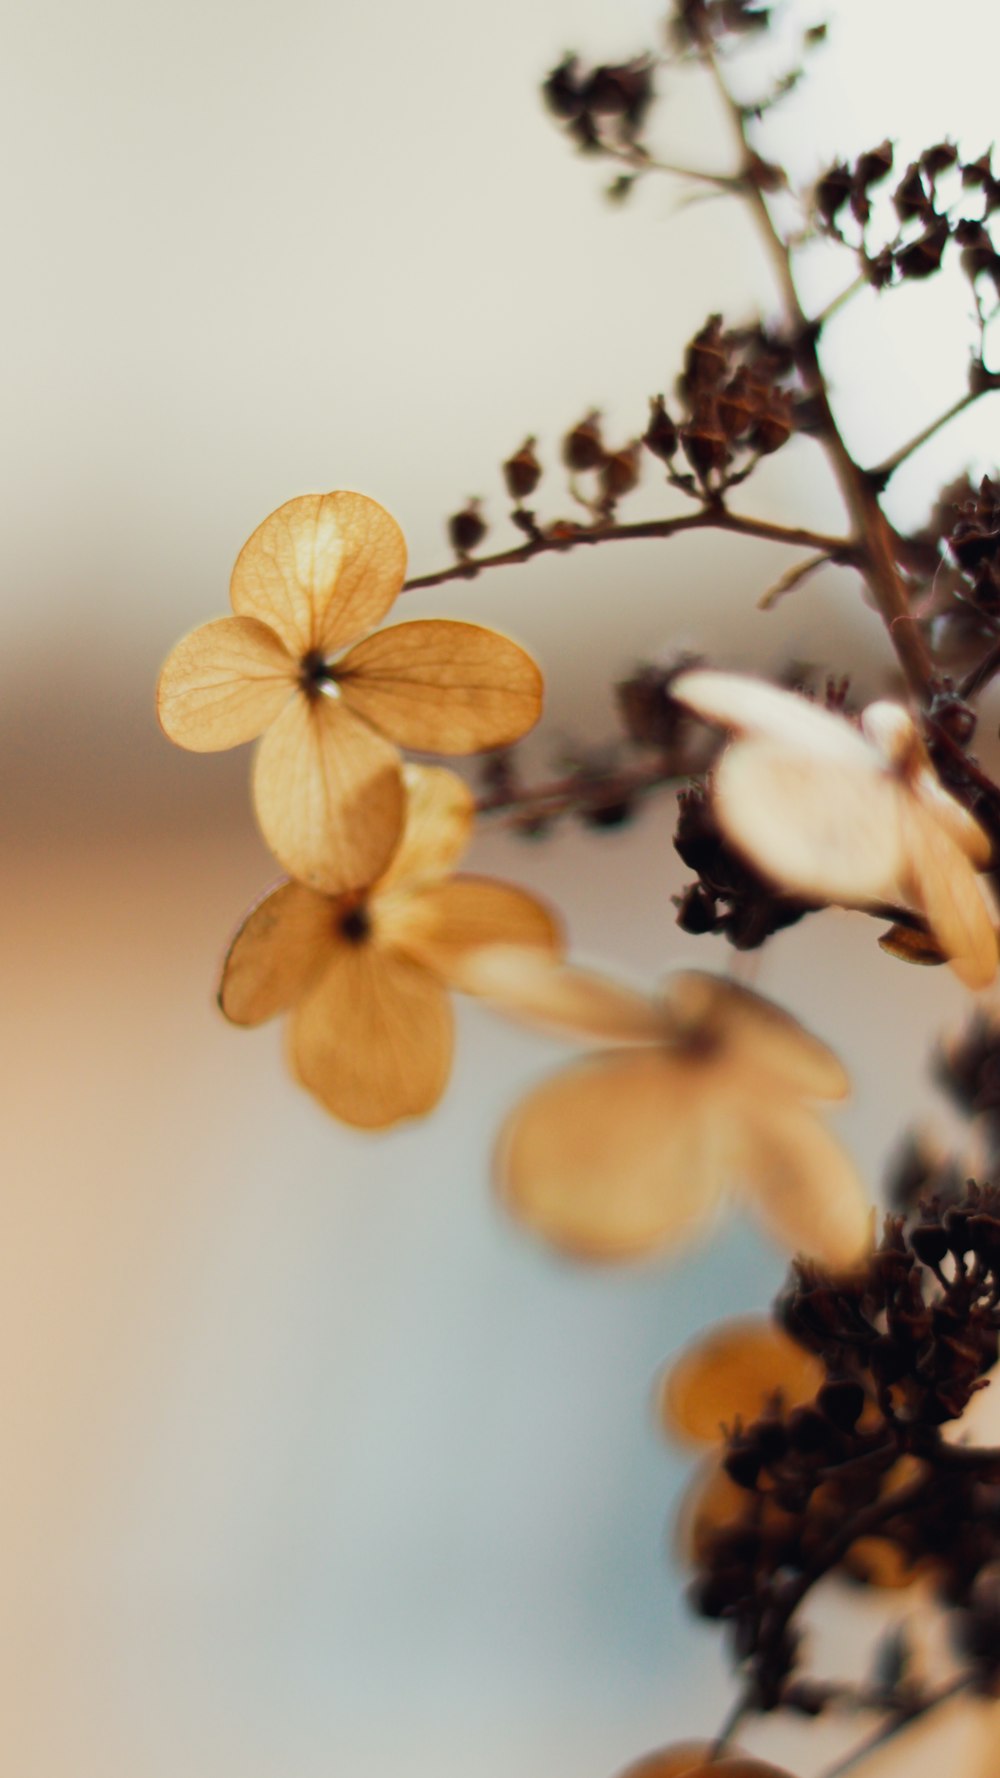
[(311, 1464)]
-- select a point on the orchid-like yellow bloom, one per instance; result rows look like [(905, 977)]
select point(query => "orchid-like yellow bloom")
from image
[(633, 1149), (835, 813), (320, 572), (364, 975)]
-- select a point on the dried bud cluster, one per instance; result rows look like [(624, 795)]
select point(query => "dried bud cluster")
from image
[(604, 106), (729, 896), (737, 394), (859, 1480)]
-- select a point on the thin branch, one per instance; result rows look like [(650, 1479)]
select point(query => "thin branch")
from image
[(873, 536), (882, 472), (896, 1725), (713, 516), (838, 302), (981, 675), (577, 791), (636, 158), (791, 578)]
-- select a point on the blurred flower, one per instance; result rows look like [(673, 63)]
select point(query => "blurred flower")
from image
[(837, 814), (632, 1149), (364, 974), (327, 790), (694, 1759)]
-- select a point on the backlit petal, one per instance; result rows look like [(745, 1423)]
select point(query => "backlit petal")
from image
[(443, 687), (803, 1184), (677, 1761), (757, 1032), (328, 794), (731, 1373), (963, 828), (223, 684), (753, 707), (944, 887), (813, 828), (277, 954), (373, 1042), (613, 1158), (321, 570), (440, 816), (528, 984), (442, 925)]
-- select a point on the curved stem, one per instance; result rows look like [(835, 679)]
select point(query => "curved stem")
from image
[(882, 472), (873, 550), (713, 516), (896, 1725)]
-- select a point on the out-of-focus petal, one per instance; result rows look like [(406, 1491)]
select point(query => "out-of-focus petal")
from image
[(559, 998), (731, 1373), (804, 1184), (443, 687), (879, 1562), (818, 830), (278, 952), (711, 1502), (757, 1031), (677, 1761), (891, 729), (753, 707), (440, 926), (943, 885), (963, 828), (374, 1040), (615, 1157), (911, 945), (440, 816), (321, 570), (328, 794), (223, 684)]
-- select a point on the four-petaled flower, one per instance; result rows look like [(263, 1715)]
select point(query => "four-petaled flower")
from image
[(320, 572), (632, 1149), (835, 813), (364, 974)]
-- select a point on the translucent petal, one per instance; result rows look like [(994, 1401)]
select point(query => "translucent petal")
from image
[(756, 1030), (577, 1001), (223, 684), (731, 1373), (891, 729), (753, 707), (442, 925), (328, 794), (373, 1042), (942, 884), (813, 828), (281, 948), (710, 1502), (615, 1157), (911, 945), (803, 1183), (321, 570), (440, 816), (443, 687)]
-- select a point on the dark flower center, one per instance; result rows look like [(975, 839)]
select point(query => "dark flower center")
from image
[(314, 673), (355, 924)]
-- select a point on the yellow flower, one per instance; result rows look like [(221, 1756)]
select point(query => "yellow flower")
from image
[(633, 1149), (320, 572), (363, 974), (839, 814)]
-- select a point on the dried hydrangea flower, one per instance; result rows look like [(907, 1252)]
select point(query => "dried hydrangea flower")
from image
[(364, 975), (632, 1150), (693, 1759), (838, 814), (317, 574)]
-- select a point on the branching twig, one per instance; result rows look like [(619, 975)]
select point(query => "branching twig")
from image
[(791, 578), (882, 472), (896, 1724)]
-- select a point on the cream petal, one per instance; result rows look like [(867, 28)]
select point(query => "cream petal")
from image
[(328, 794), (373, 1042), (731, 1373), (440, 816), (754, 707), (962, 827), (442, 925), (816, 829), (224, 684), (321, 570), (530, 985), (613, 1158), (281, 948), (443, 687), (944, 887), (758, 1031), (803, 1183), (891, 729)]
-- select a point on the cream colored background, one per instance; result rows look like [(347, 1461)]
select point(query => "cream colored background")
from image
[(311, 1464)]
